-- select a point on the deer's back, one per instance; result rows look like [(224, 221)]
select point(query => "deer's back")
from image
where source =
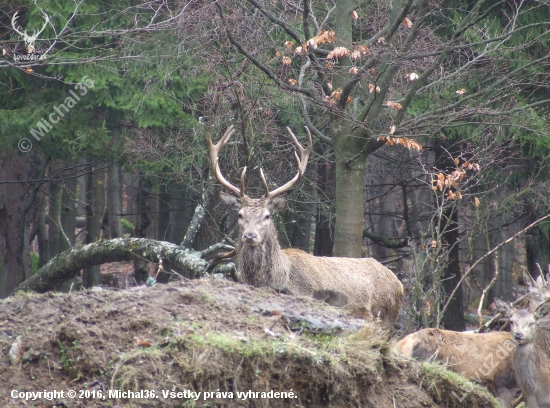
[(372, 289), (484, 357)]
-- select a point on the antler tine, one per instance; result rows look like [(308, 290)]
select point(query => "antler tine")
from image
[(47, 19), (13, 23), (243, 174), (264, 181), (302, 164), (214, 152)]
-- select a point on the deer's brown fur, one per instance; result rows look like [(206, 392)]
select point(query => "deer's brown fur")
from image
[(372, 290), (483, 357), (532, 354)]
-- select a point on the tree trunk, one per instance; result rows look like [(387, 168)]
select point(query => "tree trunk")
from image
[(14, 245), (142, 223), (68, 214), (94, 214), (453, 318), (324, 223), (164, 214), (56, 194), (114, 200), (43, 243), (183, 205), (301, 234)]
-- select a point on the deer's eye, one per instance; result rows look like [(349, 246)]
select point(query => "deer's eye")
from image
[(267, 217), (240, 216)]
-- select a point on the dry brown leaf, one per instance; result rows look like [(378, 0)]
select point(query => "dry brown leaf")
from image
[(373, 88), (287, 61), (461, 91), (338, 52), (354, 15), (477, 203), (292, 81), (393, 105), (289, 45), (408, 23), (353, 70), (143, 343)]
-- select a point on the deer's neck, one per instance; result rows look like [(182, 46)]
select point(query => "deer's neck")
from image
[(263, 265)]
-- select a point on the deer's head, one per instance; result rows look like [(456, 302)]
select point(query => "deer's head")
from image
[(522, 326), (254, 214)]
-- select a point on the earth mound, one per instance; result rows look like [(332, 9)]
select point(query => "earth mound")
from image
[(209, 343)]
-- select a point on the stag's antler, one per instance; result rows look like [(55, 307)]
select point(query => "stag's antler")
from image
[(302, 163), (214, 153), (35, 33)]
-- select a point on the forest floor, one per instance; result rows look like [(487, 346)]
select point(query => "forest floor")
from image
[(225, 342)]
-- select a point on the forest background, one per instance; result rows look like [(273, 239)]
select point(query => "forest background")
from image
[(430, 125)]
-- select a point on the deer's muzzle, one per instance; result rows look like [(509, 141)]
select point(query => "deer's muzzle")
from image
[(250, 238)]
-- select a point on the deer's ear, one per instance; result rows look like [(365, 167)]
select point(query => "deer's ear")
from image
[(543, 311), (277, 203), (233, 203)]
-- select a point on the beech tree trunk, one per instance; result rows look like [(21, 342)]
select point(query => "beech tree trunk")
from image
[(324, 231)]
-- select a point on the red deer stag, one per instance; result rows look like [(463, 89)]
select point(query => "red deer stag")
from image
[(531, 332), (372, 290)]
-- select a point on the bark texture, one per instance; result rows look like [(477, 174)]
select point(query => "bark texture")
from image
[(68, 264)]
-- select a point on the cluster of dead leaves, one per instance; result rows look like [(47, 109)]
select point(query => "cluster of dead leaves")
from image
[(359, 51), (338, 52), (393, 105), (450, 182), (403, 141), (324, 36)]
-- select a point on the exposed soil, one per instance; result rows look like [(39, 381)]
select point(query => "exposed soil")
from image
[(208, 336)]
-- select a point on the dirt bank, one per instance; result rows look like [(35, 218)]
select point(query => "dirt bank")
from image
[(206, 336)]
